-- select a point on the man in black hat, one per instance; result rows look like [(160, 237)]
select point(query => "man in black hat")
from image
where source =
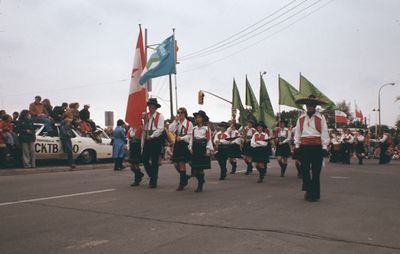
[(154, 127), (311, 140)]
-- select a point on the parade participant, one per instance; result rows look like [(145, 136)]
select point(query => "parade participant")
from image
[(360, 146), (334, 146), (296, 157), (201, 148), (119, 149), (183, 129), (27, 137), (153, 140), (234, 145), (311, 140), (135, 153), (347, 140), (66, 134), (222, 146), (247, 134), (283, 136), (385, 143), (260, 154)]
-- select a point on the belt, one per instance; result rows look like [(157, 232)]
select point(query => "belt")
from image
[(310, 141)]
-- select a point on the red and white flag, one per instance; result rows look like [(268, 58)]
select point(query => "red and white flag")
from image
[(340, 117), (359, 115), (137, 99)]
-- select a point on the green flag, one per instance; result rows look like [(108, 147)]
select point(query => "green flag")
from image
[(288, 94), (266, 111), (237, 104), (251, 100), (307, 89)]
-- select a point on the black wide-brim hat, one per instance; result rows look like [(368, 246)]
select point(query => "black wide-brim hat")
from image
[(223, 124), (311, 100), (153, 101), (202, 114)]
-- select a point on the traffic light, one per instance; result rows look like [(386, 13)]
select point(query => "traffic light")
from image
[(201, 97)]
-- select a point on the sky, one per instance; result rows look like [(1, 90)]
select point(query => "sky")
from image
[(82, 51)]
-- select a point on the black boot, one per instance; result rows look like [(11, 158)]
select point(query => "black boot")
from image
[(261, 175), (181, 181), (234, 167), (185, 179), (200, 179), (138, 177), (283, 169), (249, 169), (223, 174), (299, 176)]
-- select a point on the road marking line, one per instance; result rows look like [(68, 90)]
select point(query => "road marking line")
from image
[(55, 197), (339, 177)]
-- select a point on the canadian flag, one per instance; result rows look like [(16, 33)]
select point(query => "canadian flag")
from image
[(138, 93), (340, 117), (359, 115)]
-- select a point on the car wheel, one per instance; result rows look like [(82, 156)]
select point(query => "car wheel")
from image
[(87, 157)]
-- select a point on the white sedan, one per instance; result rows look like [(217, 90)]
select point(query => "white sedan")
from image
[(85, 148)]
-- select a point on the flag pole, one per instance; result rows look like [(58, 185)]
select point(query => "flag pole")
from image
[(170, 81), (176, 60), (279, 105), (148, 82)]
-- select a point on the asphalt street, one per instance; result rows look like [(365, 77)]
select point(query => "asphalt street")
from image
[(96, 211)]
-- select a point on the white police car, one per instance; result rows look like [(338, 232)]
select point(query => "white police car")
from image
[(85, 148)]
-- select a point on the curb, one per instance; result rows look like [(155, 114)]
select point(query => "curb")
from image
[(54, 169)]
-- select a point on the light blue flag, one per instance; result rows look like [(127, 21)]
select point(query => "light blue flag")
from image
[(161, 62)]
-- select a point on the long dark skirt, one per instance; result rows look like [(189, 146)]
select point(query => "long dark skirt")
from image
[(234, 151), (247, 149), (360, 148), (199, 159), (222, 152), (181, 152), (135, 151), (283, 150), (260, 154)]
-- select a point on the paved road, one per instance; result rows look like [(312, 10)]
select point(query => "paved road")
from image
[(96, 211)]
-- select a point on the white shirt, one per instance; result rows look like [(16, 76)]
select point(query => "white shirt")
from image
[(360, 138), (233, 134), (248, 133), (179, 129), (282, 134), (219, 138), (347, 138), (200, 133), (309, 130), (150, 125), (259, 143)]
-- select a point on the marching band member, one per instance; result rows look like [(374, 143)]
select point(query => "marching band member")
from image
[(260, 154), (247, 134), (334, 146), (135, 153), (311, 140), (283, 135), (360, 146), (183, 129), (201, 148), (153, 140), (234, 145), (222, 146), (347, 140), (385, 143)]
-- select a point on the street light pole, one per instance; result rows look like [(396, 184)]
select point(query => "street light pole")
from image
[(379, 103)]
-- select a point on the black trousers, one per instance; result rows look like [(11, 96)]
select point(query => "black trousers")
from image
[(346, 153), (311, 164), (151, 157)]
